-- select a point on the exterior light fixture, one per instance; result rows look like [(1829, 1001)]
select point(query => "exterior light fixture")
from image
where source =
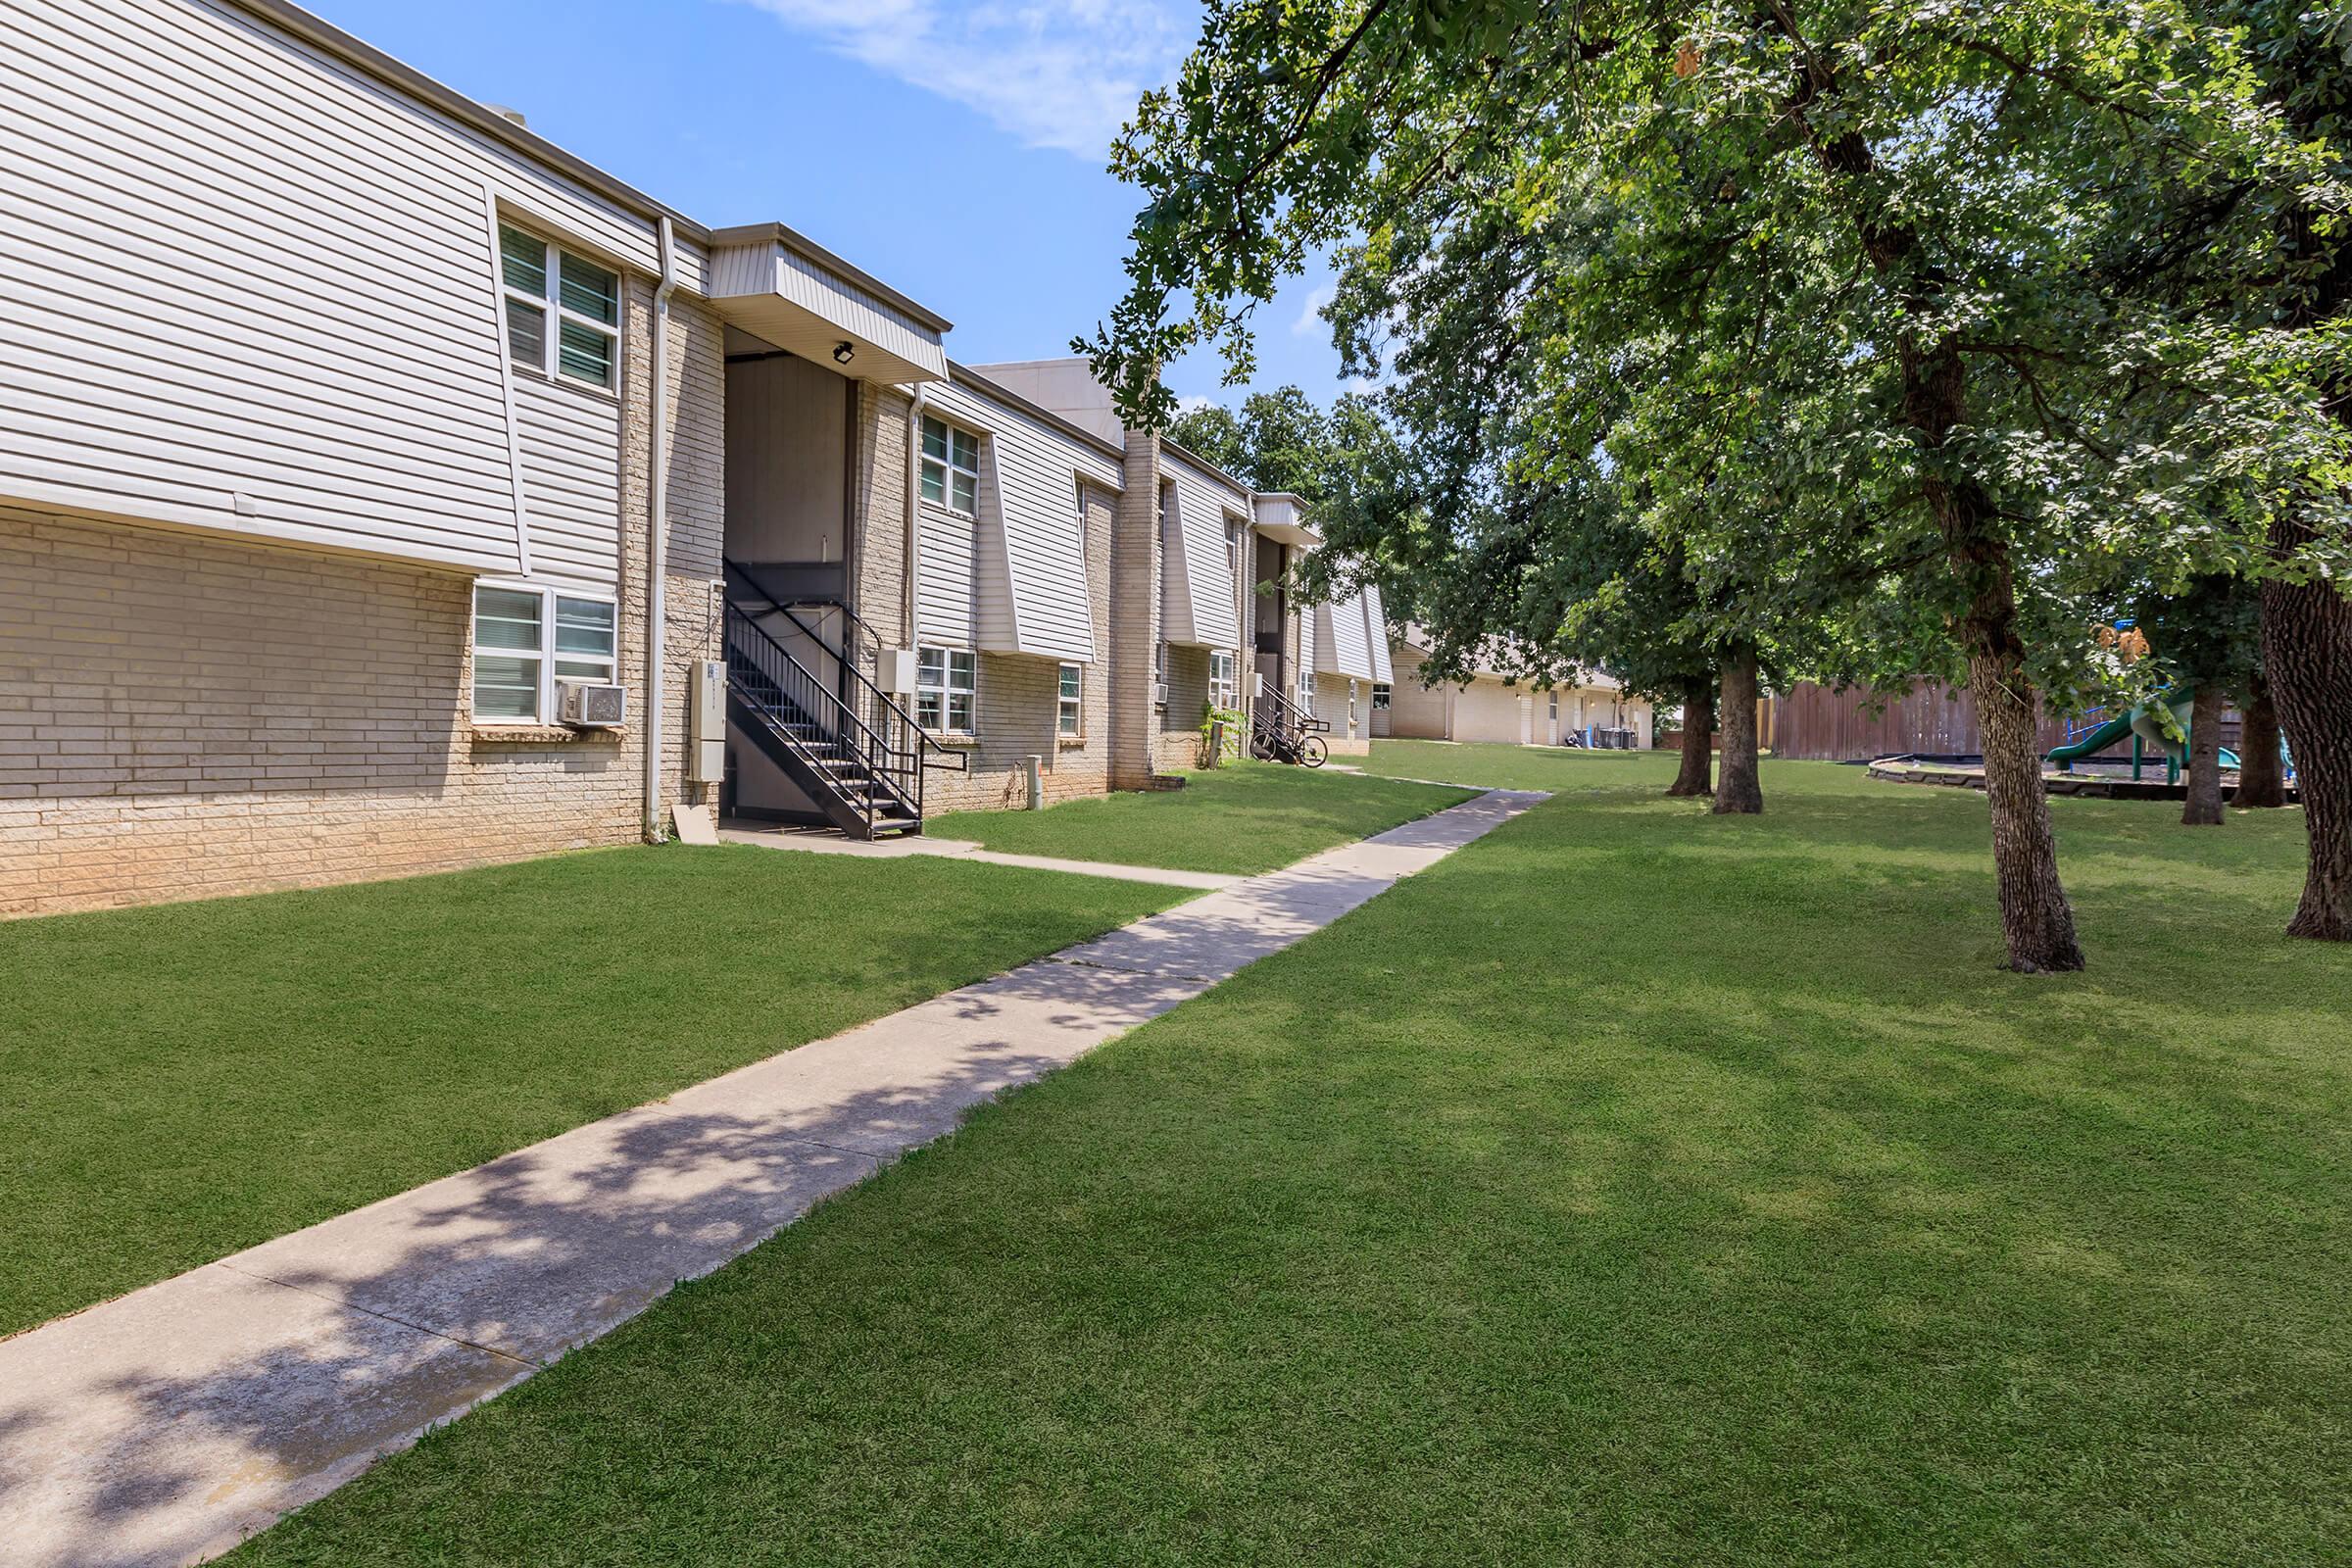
[(843, 353)]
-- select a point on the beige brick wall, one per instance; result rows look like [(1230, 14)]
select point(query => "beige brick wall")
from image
[(184, 716), (878, 541), (1346, 739), (1180, 743), (1414, 709)]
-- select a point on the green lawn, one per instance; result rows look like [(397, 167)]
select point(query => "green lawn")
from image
[(1637, 1187), (185, 1081), (1241, 818), (1515, 768)]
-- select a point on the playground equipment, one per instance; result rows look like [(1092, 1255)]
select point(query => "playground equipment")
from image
[(2145, 729)]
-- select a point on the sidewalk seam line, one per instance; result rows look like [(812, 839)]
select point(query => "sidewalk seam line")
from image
[(386, 1317)]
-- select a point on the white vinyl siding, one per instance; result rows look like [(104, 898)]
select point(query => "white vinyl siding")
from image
[(571, 482), (262, 296), (1341, 639), (1199, 594), (1026, 551), (1376, 635), (946, 582)]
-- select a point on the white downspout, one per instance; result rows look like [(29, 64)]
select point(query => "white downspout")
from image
[(657, 557), (914, 451)]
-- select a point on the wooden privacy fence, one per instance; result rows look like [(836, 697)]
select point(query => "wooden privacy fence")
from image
[(1817, 723)]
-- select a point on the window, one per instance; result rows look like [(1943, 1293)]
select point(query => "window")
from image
[(546, 286), (945, 680), (514, 667), (1380, 699), (1351, 694), (1159, 674), (1224, 692), (951, 467), (1066, 713)]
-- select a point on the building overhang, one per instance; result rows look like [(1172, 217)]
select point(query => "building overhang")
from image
[(1282, 517), (777, 286)]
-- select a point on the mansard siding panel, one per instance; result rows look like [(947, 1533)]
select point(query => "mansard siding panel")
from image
[(254, 293), (1031, 579), (571, 480), (1199, 595), (1341, 634), (1376, 633)]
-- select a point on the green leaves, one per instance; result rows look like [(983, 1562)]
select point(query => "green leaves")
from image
[(1654, 292)]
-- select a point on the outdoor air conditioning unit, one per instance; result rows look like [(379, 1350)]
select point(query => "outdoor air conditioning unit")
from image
[(895, 671), (591, 705)]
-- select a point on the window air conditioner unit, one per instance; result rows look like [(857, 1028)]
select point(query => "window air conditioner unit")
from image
[(1159, 694), (591, 705)]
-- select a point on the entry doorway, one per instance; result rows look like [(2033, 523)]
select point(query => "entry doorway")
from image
[(1273, 613)]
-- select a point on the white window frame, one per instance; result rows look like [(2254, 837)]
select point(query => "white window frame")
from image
[(545, 656), (1352, 696), (948, 469), (553, 313), (945, 689), (1383, 693), (1224, 691), (1070, 702)]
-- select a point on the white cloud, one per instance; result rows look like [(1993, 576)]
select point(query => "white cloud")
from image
[(1310, 322), (1195, 404), (1060, 74)]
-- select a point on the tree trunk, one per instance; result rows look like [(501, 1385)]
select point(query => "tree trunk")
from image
[(2261, 781), (1737, 789), (2204, 808), (2307, 653), (1698, 739), (2307, 627), (2035, 921)]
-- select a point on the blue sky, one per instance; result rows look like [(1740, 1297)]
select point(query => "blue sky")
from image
[(955, 150)]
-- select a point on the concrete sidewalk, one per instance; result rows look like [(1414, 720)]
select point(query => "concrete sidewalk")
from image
[(824, 841), (166, 1426)]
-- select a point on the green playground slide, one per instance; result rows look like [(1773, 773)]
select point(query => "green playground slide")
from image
[(2141, 720)]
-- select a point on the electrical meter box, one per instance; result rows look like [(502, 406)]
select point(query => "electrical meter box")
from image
[(706, 722)]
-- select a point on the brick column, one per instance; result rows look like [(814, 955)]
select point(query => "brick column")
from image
[(1135, 615)]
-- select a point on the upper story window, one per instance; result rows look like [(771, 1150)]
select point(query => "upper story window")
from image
[(562, 311), (951, 467), (946, 680), (526, 639)]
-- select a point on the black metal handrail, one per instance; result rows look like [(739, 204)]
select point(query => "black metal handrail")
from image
[(887, 707), (887, 769), (1285, 715)]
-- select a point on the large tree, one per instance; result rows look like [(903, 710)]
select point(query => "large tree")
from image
[(1874, 236), (2301, 53)]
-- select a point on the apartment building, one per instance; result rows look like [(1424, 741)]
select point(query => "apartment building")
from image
[(1493, 707), (383, 489)]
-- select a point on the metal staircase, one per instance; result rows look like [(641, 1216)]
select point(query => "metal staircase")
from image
[(845, 744)]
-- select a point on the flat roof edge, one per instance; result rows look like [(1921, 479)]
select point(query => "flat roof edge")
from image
[(1005, 394)]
